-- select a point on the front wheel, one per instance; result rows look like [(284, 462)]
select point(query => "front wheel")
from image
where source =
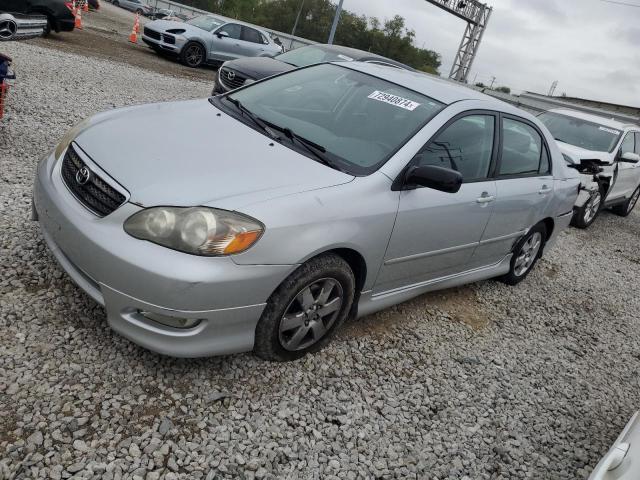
[(627, 207), (525, 255), (192, 55), (584, 216), (305, 311)]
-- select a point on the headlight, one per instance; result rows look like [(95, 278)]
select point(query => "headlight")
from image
[(70, 136), (198, 230)]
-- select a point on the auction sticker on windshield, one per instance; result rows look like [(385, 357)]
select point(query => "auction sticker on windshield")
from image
[(610, 130), (394, 100)]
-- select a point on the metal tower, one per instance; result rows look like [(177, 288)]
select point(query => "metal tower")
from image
[(476, 15)]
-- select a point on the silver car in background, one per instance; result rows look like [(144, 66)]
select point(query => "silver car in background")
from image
[(273, 213), (137, 6), (209, 39)]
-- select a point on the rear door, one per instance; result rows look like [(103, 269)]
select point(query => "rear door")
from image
[(524, 186), (251, 42), (436, 233)]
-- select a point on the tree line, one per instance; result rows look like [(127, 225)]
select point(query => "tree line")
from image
[(390, 38)]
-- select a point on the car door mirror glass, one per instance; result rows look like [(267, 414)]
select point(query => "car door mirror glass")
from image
[(629, 157), (437, 178)]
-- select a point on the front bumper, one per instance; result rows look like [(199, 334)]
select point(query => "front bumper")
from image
[(128, 276), (161, 44)]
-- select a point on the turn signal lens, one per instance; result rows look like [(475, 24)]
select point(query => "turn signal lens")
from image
[(199, 230)]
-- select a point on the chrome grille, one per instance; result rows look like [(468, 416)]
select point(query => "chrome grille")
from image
[(231, 79), (96, 194)]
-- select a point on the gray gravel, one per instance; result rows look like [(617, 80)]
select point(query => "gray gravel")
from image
[(481, 382)]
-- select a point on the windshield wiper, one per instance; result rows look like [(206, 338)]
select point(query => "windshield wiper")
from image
[(253, 117), (561, 140), (313, 148)]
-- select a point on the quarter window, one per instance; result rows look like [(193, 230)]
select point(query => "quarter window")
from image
[(627, 144), (465, 146), (251, 35), (234, 30), (522, 149)]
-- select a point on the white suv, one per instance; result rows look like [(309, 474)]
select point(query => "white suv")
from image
[(607, 154)]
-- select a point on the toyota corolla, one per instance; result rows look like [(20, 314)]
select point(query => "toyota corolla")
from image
[(277, 211)]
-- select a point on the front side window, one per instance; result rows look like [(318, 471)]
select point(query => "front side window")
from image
[(358, 119), (251, 35), (522, 149), (233, 30), (628, 144), (465, 146), (581, 133), (206, 22)]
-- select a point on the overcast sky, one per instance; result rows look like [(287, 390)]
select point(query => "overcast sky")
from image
[(591, 47)]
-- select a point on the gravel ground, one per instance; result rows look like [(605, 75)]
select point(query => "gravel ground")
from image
[(481, 382)]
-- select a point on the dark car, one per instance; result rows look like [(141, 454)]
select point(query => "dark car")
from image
[(236, 73), (58, 12)]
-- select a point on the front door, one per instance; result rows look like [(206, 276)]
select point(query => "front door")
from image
[(436, 233), (524, 185), (226, 47), (626, 177)]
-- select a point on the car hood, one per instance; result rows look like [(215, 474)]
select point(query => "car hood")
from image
[(190, 153), (578, 154), (164, 25), (259, 67)]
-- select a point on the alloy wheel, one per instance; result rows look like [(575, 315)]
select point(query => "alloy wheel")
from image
[(592, 208), (311, 314), (633, 200), (194, 55), (528, 254)]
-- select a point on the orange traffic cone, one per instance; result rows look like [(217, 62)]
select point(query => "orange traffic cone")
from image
[(78, 23), (133, 38), (137, 24), (85, 7)]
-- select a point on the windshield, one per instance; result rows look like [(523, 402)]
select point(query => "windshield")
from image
[(206, 22), (581, 133), (359, 120), (305, 56)]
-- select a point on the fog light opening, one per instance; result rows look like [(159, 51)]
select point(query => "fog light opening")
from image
[(173, 322)]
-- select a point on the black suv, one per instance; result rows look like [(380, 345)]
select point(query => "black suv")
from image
[(58, 12)]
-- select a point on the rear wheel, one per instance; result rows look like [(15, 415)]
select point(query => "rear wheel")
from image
[(584, 216), (140, 11), (116, 3), (303, 314), (525, 255), (192, 55), (627, 207)]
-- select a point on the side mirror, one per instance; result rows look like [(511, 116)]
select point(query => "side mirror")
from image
[(222, 34), (629, 157), (438, 178)]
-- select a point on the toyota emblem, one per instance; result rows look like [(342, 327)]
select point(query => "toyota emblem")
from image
[(83, 175), (231, 75)]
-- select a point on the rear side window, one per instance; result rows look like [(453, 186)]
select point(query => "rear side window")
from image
[(522, 149), (251, 35), (233, 29), (465, 146), (628, 145)]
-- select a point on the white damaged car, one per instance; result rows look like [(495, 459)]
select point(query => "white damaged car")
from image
[(606, 153)]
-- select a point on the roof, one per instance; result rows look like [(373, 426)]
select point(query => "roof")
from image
[(359, 55), (444, 91), (604, 121)]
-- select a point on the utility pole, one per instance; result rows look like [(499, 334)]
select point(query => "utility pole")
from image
[(493, 80), (295, 25), (336, 19), (553, 88)]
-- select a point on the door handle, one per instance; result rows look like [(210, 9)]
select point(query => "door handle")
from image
[(544, 190), (485, 198)]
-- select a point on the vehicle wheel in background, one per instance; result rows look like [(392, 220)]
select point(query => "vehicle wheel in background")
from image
[(525, 255), (627, 207), (140, 11), (192, 55), (116, 3), (305, 311), (586, 215)]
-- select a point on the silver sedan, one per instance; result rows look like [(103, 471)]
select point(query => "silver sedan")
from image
[(275, 212), (209, 39)]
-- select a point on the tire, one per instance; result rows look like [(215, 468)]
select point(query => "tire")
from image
[(324, 280), (116, 3), (627, 207), (140, 11), (584, 216), (526, 254), (193, 55)]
